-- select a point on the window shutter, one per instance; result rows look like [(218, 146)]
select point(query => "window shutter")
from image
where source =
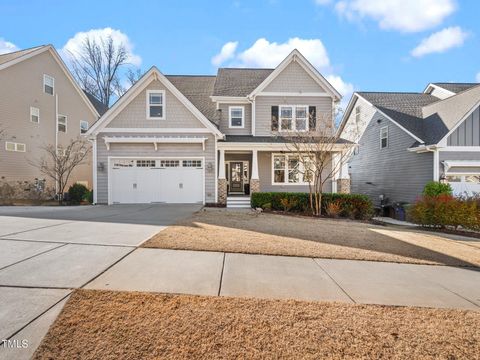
[(312, 118), (274, 118)]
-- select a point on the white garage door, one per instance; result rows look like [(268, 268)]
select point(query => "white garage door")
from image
[(140, 181)]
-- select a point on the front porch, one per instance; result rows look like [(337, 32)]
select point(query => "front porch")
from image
[(245, 168)]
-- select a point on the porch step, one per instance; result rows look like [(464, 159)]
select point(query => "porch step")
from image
[(238, 202)]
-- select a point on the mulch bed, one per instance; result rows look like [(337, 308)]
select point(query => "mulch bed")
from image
[(121, 325)]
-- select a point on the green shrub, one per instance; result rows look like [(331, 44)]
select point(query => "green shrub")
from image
[(435, 188), (446, 210), (77, 193), (350, 205), (89, 197)]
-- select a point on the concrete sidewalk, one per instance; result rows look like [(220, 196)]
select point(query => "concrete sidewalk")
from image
[(227, 274)]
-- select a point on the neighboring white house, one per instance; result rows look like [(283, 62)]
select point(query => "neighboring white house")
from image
[(200, 139)]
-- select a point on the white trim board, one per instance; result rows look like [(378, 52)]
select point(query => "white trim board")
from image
[(157, 130), (154, 140)]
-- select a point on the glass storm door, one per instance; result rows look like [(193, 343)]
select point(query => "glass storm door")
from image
[(236, 178)]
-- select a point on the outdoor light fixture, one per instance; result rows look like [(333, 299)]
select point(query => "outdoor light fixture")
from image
[(443, 179), (100, 166)]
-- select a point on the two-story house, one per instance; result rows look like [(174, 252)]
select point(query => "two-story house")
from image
[(40, 105), (407, 139), (200, 139)]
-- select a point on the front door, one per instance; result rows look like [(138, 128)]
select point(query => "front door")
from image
[(236, 177)]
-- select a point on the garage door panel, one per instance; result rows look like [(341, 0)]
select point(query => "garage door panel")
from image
[(167, 181)]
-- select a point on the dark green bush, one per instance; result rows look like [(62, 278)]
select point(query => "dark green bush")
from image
[(351, 205), (77, 193), (89, 197), (435, 188)]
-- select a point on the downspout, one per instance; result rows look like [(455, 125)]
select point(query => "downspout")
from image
[(56, 138)]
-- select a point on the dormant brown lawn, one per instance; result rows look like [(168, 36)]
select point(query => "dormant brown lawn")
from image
[(273, 234), (121, 325)]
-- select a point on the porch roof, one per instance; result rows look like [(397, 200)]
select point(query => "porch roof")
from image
[(269, 139)]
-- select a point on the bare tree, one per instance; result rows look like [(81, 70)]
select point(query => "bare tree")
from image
[(318, 155), (58, 164), (97, 67), (133, 76)]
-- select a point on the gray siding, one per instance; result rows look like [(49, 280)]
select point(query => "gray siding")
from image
[(135, 114), (395, 172), (468, 133), (265, 175), (224, 120), (263, 108), (293, 79), (164, 150)]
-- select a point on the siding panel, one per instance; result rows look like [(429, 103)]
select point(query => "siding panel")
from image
[(467, 133), (135, 114), (293, 79), (395, 172)]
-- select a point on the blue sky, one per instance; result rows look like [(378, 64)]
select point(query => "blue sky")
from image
[(358, 44)]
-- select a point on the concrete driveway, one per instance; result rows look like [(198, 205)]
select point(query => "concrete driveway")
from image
[(46, 252)]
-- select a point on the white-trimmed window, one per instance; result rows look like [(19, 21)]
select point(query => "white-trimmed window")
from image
[(146, 163), (289, 170), (34, 114), (155, 104), (83, 126), (236, 117), (62, 123), (293, 118), (48, 84), (13, 146), (384, 137)]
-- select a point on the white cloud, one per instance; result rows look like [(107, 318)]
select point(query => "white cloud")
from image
[(74, 44), (477, 78), (266, 54), (400, 15), (269, 54), (227, 53), (440, 41), (7, 46)]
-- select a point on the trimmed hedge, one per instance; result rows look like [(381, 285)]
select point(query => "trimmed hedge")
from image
[(353, 206), (446, 210)]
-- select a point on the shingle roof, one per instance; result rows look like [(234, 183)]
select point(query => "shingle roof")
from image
[(238, 82), (425, 116), (456, 87), (197, 89), (97, 104), (404, 108), (4, 58)]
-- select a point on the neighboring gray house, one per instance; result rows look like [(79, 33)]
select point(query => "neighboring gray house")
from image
[(407, 139), (200, 139)]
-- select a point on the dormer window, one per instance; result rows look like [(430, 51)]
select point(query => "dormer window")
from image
[(236, 116), (48, 84), (155, 104)]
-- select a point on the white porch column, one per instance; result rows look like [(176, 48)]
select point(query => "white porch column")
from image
[(254, 165), (221, 169)]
